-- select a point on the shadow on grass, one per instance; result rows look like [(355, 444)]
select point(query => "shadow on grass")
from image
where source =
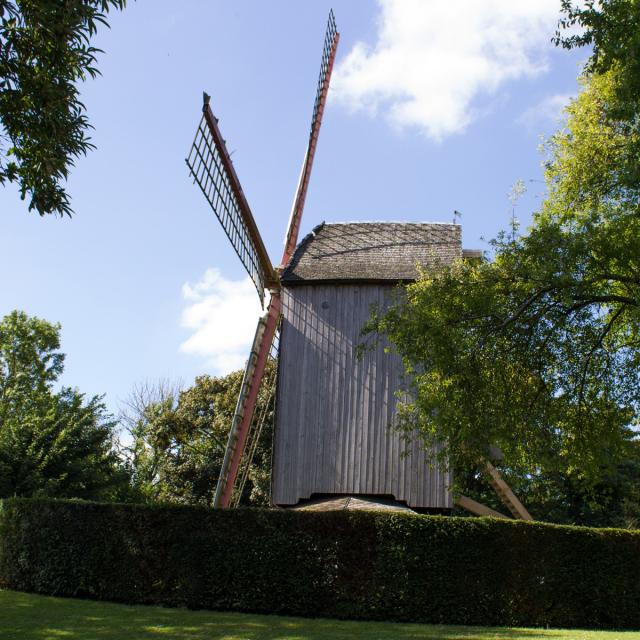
[(30, 617)]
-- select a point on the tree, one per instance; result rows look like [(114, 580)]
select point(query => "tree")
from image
[(612, 29), (147, 415), (52, 443), (179, 439), (45, 51), (538, 351)]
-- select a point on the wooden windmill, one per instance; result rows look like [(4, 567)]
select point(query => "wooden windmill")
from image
[(333, 409)]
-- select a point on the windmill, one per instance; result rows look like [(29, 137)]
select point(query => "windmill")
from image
[(331, 436)]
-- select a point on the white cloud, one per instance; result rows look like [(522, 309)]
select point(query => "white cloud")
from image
[(222, 316), (434, 58), (547, 111)]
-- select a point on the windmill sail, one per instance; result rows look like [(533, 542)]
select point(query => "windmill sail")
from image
[(212, 169), (326, 67)]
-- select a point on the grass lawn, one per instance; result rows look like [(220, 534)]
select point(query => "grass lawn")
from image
[(30, 617)]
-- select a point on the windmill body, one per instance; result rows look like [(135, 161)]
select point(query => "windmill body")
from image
[(332, 436), (336, 408)]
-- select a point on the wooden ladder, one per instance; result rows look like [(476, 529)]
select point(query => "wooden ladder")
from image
[(247, 399), (248, 380)]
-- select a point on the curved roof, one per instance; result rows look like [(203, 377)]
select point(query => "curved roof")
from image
[(372, 251)]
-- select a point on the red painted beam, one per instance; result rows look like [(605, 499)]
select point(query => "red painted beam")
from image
[(273, 316), (271, 279)]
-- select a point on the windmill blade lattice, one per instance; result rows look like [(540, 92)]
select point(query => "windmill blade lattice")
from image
[(213, 171), (331, 39), (328, 51)]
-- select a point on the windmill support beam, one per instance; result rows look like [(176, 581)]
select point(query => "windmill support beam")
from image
[(506, 494), (247, 403), (477, 508)]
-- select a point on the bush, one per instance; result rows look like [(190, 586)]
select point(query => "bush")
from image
[(360, 565)]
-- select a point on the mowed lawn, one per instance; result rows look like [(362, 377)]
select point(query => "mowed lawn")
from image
[(30, 617)]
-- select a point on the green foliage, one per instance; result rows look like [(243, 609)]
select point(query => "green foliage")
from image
[(610, 27), (179, 440), (29, 361), (359, 565), (45, 51), (52, 443)]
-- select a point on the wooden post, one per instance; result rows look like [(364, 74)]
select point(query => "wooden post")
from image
[(477, 508), (506, 495)]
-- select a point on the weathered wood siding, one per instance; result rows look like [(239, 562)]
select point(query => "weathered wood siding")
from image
[(334, 409)]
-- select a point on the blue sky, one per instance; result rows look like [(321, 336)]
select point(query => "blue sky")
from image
[(437, 105)]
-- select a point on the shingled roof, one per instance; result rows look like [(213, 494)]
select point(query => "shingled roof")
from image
[(372, 251)]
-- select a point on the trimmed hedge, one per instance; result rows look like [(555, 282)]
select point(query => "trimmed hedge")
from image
[(360, 565)]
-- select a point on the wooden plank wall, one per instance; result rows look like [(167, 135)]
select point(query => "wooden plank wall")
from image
[(334, 410)]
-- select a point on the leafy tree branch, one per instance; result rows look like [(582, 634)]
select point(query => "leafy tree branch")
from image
[(45, 52)]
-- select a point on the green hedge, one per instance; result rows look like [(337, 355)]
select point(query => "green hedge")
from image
[(337, 564)]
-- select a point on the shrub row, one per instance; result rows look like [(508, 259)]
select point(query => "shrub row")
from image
[(360, 565)]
